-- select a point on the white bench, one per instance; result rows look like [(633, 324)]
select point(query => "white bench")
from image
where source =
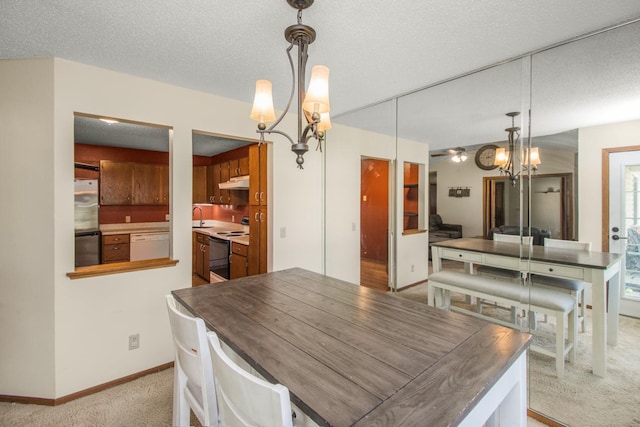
[(538, 300)]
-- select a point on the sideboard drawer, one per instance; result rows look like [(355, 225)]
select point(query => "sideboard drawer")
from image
[(557, 270), (462, 255)]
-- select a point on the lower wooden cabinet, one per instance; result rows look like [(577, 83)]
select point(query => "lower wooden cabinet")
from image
[(201, 254), (238, 260), (115, 248)]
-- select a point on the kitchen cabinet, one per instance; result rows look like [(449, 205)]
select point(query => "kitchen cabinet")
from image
[(200, 185), (258, 219), (238, 260), (239, 167), (257, 252), (150, 184), (213, 179), (225, 196), (201, 250), (258, 175), (129, 183), (116, 183), (115, 248)]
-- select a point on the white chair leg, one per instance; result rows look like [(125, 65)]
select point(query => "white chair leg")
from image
[(181, 410)]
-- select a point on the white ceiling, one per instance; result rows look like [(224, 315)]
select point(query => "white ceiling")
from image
[(375, 49)]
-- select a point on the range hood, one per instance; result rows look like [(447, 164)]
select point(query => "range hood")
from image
[(236, 183)]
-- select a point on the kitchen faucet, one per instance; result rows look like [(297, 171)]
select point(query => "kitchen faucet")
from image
[(200, 209)]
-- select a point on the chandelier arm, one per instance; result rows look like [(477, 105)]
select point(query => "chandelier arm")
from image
[(261, 132), (293, 90)]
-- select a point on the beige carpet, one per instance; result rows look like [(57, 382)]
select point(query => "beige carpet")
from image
[(580, 398)]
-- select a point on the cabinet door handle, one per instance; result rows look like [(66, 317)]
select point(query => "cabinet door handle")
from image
[(256, 196), (262, 196), (261, 217), (256, 217)]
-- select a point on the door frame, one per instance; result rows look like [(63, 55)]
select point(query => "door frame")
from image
[(605, 190)]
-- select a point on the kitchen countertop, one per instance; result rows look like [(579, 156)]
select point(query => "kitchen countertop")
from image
[(209, 228), (134, 227), (210, 231)]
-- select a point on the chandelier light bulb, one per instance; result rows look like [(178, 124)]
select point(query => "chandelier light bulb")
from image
[(317, 97), (262, 110)]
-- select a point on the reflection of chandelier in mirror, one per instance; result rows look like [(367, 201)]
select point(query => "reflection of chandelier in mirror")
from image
[(312, 105), (504, 157), (459, 156)]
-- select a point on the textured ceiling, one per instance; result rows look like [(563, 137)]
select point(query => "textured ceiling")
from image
[(375, 49)]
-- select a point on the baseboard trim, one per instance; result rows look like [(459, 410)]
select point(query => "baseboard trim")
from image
[(544, 419), (86, 392)]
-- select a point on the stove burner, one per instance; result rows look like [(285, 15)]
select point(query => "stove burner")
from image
[(232, 233)]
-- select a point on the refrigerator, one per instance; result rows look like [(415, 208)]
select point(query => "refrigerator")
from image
[(87, 229)]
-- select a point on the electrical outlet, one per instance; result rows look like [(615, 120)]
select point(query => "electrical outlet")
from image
[(134, 341), (412, 268), (127, 218), (283, 232), (167, 217)]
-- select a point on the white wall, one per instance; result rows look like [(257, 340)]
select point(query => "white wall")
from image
[(27, 228), (592, 141), (345, 148), (73, 334)]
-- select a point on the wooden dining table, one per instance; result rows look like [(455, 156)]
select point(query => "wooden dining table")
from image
[(597, 268), (354, 356)]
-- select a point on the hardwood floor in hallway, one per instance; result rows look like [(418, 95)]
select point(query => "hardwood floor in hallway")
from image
[(373, 274)]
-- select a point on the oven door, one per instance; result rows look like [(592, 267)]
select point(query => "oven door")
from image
[(219, 252)]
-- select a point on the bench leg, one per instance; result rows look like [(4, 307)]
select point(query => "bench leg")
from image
[(573, 332), (431, 294), (560, 344)]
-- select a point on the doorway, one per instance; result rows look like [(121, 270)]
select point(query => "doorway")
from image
[(623, 228), (374, 223)]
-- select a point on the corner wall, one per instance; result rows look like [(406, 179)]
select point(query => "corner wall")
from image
[(27, 228)]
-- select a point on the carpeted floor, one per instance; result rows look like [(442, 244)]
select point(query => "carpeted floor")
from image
[(580, 398)]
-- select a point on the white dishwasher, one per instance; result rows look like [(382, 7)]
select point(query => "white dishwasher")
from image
[(149, 246)]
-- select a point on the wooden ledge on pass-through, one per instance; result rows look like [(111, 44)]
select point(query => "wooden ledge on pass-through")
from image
[(120, 267)]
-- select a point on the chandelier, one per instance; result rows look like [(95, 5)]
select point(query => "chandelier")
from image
[(504, 159), (313, 105)]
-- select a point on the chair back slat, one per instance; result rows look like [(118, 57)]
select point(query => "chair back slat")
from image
[(567, 244), (192, 365), (244, 399), (512, 238)]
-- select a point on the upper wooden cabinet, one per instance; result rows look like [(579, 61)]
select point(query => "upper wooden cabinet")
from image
[(128, 183), (200, 184), (258, 175), (239, 167), (116, 183), (150, 184)]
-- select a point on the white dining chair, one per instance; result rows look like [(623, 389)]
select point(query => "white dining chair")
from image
[(574, 287), (244, 399), (503, 273), (193, 380)]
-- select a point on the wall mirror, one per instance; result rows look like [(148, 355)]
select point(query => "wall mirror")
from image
[(588, 90), (122, 189)]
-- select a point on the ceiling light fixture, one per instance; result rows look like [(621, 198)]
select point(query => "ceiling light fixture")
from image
[(459, 156), (110, 121), (504, 157), (313, 105)]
